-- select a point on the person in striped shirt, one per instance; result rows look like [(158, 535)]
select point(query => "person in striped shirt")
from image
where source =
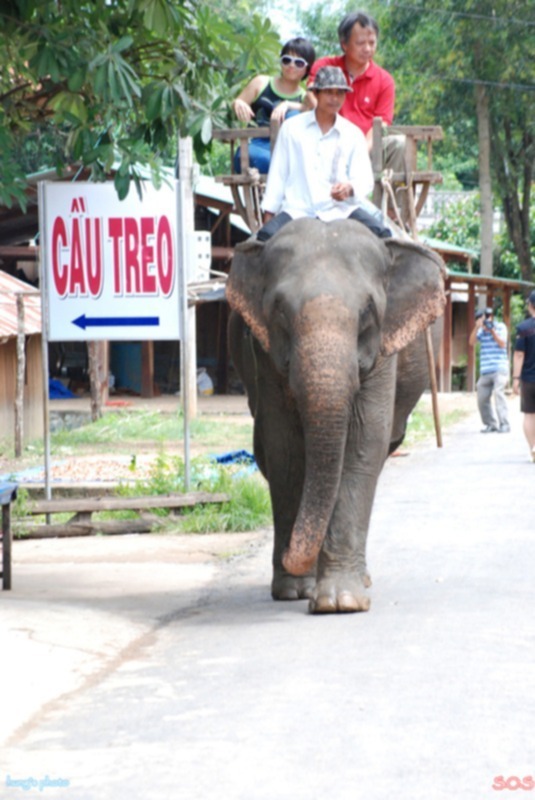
[(493, 371)]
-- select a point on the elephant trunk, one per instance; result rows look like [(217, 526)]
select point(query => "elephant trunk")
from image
[(324, 379)]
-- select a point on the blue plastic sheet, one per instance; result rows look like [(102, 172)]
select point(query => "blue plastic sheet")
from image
[(236, 457), (57, 391), (239, 457)]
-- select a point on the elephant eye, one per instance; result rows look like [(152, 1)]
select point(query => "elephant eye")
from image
[(281, 318), (368, 316), (368, 343), (280, 339)]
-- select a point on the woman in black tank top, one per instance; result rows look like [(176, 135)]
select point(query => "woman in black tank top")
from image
[(277, 97)]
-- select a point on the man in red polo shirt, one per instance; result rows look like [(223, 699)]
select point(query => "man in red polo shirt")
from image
[(373, 87)]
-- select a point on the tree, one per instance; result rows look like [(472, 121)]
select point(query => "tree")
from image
[(472, 62), (461, 223), (467, 65), (110, 83)]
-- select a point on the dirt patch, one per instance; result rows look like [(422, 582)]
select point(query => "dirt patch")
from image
[(191, 548), (131, 461)]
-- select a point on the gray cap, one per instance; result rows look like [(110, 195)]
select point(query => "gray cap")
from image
[(531, 298), (330, 78)]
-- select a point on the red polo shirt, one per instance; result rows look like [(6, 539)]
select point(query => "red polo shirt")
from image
[(373, 93)]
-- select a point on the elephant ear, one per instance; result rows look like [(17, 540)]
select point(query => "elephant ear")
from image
[(415, 296), (245, 288)]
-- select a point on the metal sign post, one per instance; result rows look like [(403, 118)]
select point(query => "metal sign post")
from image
[(44, 342), (184, 350)]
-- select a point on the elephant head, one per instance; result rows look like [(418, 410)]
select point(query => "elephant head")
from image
[(329, 303)]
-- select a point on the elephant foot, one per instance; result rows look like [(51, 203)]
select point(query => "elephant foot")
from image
[(288, 587), (338, 596)]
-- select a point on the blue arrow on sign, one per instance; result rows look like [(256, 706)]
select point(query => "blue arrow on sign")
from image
[(108, 322)]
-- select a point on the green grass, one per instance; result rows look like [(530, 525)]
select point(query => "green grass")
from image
[(421, 425), (248, 507), (118, 429)]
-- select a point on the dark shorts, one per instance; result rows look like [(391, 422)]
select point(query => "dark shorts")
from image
[(372, 221), (527, 398)]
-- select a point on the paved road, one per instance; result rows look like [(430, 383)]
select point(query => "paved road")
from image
[(125, 686)]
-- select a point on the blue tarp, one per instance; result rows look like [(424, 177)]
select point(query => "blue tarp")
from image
[(239, 457), (57, 391), (236, 457)]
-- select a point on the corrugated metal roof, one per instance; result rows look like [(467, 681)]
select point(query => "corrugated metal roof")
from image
[(9, 288)]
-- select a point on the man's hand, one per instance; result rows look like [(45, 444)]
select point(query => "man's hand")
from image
[(341, 191)]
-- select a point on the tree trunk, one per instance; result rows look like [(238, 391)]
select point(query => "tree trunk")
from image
[(515, 198), (98, 377), (485, 183)]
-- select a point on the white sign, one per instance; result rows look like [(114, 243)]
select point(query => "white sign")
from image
[(111, 267)]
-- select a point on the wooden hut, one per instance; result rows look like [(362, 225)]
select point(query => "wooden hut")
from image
[(20, 360)]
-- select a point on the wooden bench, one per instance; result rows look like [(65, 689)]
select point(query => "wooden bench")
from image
[(82, 508), (247, 186), (8, 493), (411, 202)]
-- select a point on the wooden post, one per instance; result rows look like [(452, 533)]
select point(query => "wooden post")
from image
[(446, 345), (507, 321), (471, 365), (98, 376), (21, 369), (147, 369), (433, 381), (377, 159)]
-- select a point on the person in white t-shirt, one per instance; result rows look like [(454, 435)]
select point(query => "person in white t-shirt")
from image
[(320, 166)]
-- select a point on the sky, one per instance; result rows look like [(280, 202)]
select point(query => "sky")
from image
[(284, 15)]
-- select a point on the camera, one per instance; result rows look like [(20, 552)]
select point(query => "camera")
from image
[(487, 314), (487, 322)]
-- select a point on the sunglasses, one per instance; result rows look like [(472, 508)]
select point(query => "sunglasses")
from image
[(300, 63)]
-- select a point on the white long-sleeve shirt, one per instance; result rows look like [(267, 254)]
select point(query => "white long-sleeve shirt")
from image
[(306, 163)]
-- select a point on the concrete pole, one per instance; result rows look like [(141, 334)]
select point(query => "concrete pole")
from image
[(185, 175)]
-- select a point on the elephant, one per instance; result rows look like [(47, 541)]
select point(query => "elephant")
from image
[(326, 331)]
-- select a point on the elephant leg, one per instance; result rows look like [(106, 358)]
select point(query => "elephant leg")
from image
[(286, 473), (342, 575), (412, 378), (279, 435), (279, 452)]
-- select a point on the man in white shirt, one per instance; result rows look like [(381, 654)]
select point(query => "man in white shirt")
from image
[(320, 166)]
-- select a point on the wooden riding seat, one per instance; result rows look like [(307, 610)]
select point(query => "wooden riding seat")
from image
[(411, 187), (247, 186)]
